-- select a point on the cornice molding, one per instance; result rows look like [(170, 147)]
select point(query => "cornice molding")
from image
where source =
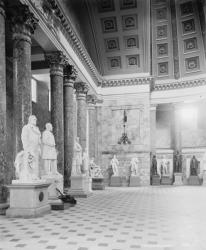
[(127, 82), (179, 85)]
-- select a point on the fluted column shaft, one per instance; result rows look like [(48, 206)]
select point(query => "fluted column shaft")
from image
[(69, 78), (81, 92), (23, 25), (57, 61)]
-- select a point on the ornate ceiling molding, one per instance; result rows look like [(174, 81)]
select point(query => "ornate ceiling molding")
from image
[(180, 85), (127, 82)]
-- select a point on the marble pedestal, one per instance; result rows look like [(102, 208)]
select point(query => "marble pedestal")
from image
[(204, 178), (55, 181), (80, 186), (98, 184), (166, 180), (28, 199), (134, 181), (155, 180), (178, 179), (116, 181), (193, 180)]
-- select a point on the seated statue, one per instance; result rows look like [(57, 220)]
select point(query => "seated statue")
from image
[(115, 166), (177, 163), (77, 158), (194, 166), (95, 170), (49, 153), (154, 165), (27, 161), (134, 169)]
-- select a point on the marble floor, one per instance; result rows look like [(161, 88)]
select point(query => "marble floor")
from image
[(156, 218)]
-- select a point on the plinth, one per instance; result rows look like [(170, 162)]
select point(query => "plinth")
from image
[(134, 181), (28, 199), (116, 181), (98, 183), (178, 179), (166, 180), (193, 180), (155, 180), (55, 181), (80, 186)]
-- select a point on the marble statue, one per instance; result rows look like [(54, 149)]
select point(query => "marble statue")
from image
[(95, 170), (77, 158), (165, 167), (134, 166), (27, 161), (115, 166), (49, 153), (154, 165), (177, 163), (85, 162), (194, 166)]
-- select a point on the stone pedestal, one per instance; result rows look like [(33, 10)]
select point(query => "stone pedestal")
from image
[(193, 181), (80, 186), (98, 184), (166, 180), (28, 200), (116, 181), (178, 179), (134, 181), (3, 207), (155, 180), (55, 181), (204, 178)]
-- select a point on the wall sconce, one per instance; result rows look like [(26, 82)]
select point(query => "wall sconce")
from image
[(124, 138)]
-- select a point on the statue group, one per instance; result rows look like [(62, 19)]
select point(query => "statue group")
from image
[(37, 149)]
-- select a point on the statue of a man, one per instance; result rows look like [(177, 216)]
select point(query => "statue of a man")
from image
[(177, 163), (194, 166), (154, 165), (134, 166), (115, 166), (27, 161), (77, 159), (49, 153)]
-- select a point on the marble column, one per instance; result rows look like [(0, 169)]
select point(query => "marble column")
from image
[(70, 75), (91, 101), (57, 61), (23, 25), (176, 128), (81, 92), (3, 151), (153, 110)]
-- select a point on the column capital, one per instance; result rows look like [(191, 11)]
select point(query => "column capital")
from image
[(23, 22), (70, 75), (2, 8), (81, 88), (91, 99), (56, 60)]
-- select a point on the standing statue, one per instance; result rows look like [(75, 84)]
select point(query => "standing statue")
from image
[(85, 162), (194, 166), (177, 162), (77, 159), (49, 153), (154, 165), (115, 166), (27, 161), (134, 166)]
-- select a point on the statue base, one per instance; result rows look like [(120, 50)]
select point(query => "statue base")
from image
[(155, 180), (55, 181), (28, 199), (98, 183), (80, 186), (166, 180), (116, 181), (134, 181), (193, 180), (178, 179)]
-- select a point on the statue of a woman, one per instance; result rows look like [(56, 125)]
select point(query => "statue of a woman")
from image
[(115, 165), (134, 166)]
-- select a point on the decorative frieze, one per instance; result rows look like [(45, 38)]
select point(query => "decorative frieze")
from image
[(126, 82)]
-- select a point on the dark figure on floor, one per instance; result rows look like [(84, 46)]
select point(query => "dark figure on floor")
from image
[(154, 165), (178, 163), (193, 166)]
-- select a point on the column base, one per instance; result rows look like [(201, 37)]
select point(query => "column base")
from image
[(178, 179), (28, 200), (134, 181), (80, 186), (116, 181)]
